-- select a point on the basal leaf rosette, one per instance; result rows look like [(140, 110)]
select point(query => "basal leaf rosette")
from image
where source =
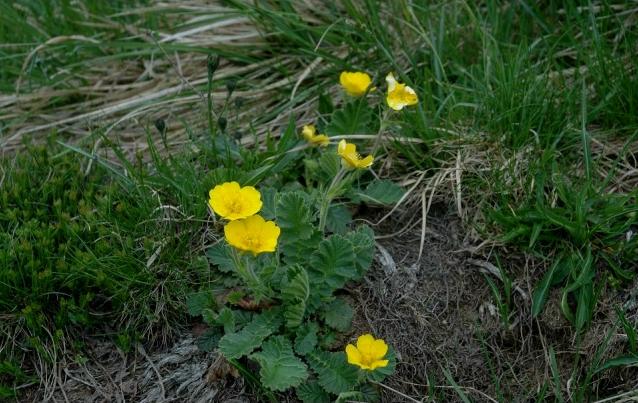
[(252, 234), (233, 202)]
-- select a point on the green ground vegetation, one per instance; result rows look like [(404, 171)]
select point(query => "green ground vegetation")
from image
[(534, 102)]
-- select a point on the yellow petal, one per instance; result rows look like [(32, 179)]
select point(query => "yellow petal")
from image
[(391, 81), (366, 162), (321, 139), (364, 343), (379, 364), (354, 356), (355, 83), (379, 349), (308, 132)]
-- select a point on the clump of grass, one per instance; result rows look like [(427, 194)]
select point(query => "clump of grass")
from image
[(94, 254)]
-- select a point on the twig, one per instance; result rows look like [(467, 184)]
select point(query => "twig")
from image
[(140, 348)]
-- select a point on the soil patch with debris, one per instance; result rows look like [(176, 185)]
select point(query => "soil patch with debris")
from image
[(441, 317)]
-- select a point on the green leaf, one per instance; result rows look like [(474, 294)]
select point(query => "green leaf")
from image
[(235, 345), (332, 265), (198, 301), (363, 242), (626, 360), (295, 290), (312, 392), (585, 305), (296, 251), (209, 340), (294, 216), (338, 219), (353, 117), (338, 315), (334, 373), (306, 339), (541, 292), (280, 368), (268, 198), (383, 192), (226, 318), (220, 255)]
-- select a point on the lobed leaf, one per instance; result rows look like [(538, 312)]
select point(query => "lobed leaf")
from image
[(280, 368), (236, 345), (338, 315), (334, 374)]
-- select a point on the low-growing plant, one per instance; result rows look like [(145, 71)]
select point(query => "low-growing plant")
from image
[(289, 251)]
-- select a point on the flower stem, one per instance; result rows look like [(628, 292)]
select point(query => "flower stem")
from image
[(246, 273), (329, 195)]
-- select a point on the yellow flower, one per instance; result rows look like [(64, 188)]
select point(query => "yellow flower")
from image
[(350, 158), (399, 95), (233, 202), (355, 83), (309, 133), (368, 354), (252, 234)]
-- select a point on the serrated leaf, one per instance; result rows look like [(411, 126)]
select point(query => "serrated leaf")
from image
[(226, 318), (363, 243), (383, 192), (353, 117), (294, 216), (219, 255), (198, 301), (280, 368), (295, 290), (312, 392), (338, 315), (332, 264), (209, 339), (306, 339), (235, 345), (338, 219), (296, 251), (334, 374), (268, 198)]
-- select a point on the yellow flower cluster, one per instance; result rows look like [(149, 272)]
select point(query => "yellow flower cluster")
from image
[(399, 95), (246, 230)]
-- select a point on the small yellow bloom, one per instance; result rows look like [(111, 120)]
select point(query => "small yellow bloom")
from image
[(309, 133), (252, 234), (399, 95), (233, 202), (355, 83), (368, 354), (350, 158)]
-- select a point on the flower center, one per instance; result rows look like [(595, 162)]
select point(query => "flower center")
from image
[(367, 359), (252, 243), (235, 206)]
